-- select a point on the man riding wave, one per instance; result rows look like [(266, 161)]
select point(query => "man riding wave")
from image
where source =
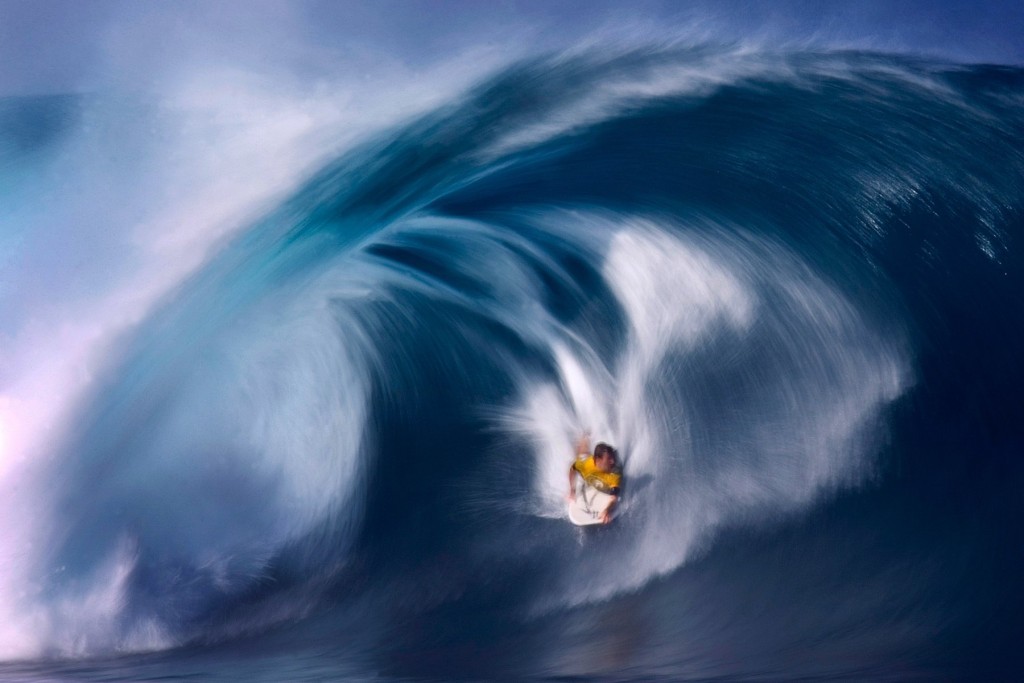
[(600, 471)]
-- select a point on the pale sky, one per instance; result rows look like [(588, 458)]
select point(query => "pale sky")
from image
[(51, 46)]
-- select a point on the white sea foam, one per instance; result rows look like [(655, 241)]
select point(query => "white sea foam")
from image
[(805, 374)]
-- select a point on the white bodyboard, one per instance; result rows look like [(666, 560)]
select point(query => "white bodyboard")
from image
[(588, 506)]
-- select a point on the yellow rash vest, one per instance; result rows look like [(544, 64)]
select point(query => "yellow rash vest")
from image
[(607, 482)]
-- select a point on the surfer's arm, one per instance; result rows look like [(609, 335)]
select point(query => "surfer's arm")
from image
[(582, 448), (606, 514)]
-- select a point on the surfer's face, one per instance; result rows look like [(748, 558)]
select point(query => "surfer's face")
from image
[(605, 462)]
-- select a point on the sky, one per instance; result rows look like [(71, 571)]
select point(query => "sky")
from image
[(49, 46)]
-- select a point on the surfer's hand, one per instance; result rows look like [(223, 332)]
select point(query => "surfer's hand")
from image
[(571, 496), (605, 517)]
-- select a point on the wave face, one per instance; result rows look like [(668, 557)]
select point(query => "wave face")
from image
[(785, 285)]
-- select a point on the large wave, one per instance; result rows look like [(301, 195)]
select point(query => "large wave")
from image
[(713, 259)]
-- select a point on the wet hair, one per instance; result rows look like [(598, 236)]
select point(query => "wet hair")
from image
[(602, 449)]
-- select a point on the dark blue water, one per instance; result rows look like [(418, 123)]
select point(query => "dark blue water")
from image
[(787, 286)]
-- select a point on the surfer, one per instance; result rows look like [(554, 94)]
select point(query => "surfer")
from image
[(600, 470)]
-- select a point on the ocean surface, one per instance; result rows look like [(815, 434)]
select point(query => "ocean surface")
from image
[(787, 285)]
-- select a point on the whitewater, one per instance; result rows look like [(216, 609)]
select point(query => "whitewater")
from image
[(305, 406)]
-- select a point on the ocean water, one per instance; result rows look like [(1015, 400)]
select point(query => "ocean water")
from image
[(331, 441)]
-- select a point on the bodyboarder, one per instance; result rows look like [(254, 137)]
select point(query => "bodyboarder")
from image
[(600, 471)]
